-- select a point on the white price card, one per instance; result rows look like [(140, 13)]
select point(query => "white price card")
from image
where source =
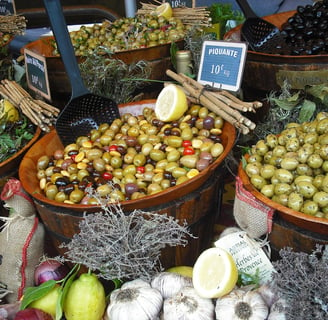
[(222, 64), (248, 255)]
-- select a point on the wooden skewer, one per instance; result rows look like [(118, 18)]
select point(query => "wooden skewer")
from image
[(221, 105)]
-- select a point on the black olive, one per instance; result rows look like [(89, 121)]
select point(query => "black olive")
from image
[(62, 181)]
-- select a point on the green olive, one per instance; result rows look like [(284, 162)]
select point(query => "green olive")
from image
[(306, 189), (261, 148), (61, 196), (292, 144), (174, 141), (289, 163), (303, 169), (216, 149), (189, 161), (322, 126), (279, 151), (282, 188), (173, 155), (76, 195), (178, 172), (281, 198), (314, 161), (154, 188), (116, 162), (284, 176), (93, 154), (267, 171), (255, 158), (295, 201), (268, 190), (253, 168), (51, 191), (42, 163), (157, 154), (271, 140), (257, 181), (321, 198), (139, 160), (310, 207)]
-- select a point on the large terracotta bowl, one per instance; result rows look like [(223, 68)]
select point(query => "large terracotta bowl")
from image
[(196, 202), (302, 220), (51, 142)]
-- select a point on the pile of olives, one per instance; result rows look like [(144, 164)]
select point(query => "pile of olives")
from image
[(126, 34), (292, 168), (306, 32), (132, 157)]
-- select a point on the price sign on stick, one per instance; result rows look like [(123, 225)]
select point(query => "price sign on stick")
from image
[(7, 7), (222, 64), (182, 3), (37, 75)]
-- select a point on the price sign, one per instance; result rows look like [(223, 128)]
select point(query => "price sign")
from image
[(7, 7), (222, 64), (37, 75), (181, 3)]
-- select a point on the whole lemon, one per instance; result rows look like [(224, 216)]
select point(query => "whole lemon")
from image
[(48, 302)]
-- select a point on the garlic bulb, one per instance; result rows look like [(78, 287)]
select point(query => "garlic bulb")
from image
[(187, 305), (170, 283), (277, 311), (268, 294), (135, 300), (241, 305)]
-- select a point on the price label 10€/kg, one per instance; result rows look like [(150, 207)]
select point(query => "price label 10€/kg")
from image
[(222, 64)]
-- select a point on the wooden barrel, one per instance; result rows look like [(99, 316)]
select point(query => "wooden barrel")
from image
[(158, 57), (264, 72), (290, 228), (196, 201)]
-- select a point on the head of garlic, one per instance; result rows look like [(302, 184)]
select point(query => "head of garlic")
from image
[(241, 305), (135, 300), (169, 283), (187, 305)]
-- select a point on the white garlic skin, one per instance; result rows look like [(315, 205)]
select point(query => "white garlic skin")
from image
[(188, 305), (277, 311), (170, 283), (134, 301), (227, 306)]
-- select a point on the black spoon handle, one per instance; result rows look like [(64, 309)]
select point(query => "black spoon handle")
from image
[(247, 10)]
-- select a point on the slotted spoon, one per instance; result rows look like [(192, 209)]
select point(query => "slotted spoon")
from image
[(261, 35), (84, 111)]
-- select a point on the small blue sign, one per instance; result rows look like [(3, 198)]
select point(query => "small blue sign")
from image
[(222, 64), (7, 7)]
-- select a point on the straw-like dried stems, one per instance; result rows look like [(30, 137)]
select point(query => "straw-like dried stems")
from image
[(198, 16), (220, 102), (39, 112), (13, 24)]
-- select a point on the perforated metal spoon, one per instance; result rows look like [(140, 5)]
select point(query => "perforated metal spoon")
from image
[(261, 35), (84, 111)]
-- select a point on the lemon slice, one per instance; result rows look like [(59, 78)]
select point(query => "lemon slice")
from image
[(185, 271), (8, 110), (164, 10), (171, 103), (215, 273)]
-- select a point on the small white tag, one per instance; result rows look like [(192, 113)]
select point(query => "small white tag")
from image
[(248, 255)]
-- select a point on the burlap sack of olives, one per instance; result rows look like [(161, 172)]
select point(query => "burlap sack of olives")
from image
[(251, 215), (21, 241)]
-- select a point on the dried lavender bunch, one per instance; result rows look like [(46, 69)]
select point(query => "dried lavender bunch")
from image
[(124, 246), (302, 280), (113, 78)]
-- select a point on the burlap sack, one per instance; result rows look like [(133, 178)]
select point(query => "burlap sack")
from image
[(251, 215), (21, 241)]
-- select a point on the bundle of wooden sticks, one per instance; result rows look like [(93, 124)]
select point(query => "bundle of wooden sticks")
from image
[(198, 16), (221, 102), (39, 112)]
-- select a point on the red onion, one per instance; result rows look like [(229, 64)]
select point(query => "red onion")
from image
[(32, 314), (50, 269)]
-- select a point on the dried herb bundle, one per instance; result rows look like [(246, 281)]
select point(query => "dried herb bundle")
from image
[(302, 280), (113, 78), (124, 246)]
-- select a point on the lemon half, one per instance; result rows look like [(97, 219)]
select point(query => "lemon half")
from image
[(164, 10), (8, 111), (215, 273), (171, 103)]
